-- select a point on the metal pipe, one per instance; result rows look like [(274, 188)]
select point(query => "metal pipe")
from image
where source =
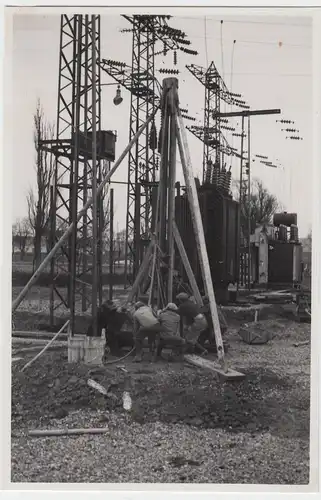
[(52, 263), (84, 304), (94, 289), (249, 201), (111, 243), (74, 174), (63, 238), (240, 208), (100, 199)]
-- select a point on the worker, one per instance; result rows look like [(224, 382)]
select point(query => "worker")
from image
[(194, 322), (104, 314), (208, 334), (170, 334), (146, 324), (112, 319)]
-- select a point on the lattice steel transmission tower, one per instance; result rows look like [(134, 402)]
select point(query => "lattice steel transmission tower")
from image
[(79, 148), (215, 144), (139, 79)]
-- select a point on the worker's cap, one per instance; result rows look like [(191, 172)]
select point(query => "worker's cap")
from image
[(171, 306), (111, 305), (139, 304), (182, 296)]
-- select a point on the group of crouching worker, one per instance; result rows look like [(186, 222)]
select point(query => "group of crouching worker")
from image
[(184, 327)]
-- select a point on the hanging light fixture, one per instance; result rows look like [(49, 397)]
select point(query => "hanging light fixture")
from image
[(118, 98)]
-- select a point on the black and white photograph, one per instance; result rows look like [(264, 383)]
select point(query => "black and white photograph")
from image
[(162, 224)]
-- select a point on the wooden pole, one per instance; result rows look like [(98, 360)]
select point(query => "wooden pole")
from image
[(199, 232), (111, 243), (151, 290), (80, 214), (171, 206), (186, 264), (142, 270), (46, 347), (163, 180)]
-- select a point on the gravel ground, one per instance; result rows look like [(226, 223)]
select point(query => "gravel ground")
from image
[(185, 425), (157, 453)]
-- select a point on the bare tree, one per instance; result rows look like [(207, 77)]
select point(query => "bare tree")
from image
[(260, 208), (39, 199), (21, 231), (120, 245), (309, 241)]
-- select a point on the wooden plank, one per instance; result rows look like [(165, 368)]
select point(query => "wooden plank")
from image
[(199, 232), (34, 334), (206, 364), (35, 341)]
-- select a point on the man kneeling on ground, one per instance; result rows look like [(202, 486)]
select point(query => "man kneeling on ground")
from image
[(170, 337), (194, 322), (208, 334), (146, 324)]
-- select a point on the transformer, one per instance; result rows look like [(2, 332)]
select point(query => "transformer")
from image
[(277, 253), (221, 219)]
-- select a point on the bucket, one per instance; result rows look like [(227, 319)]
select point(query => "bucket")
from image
[(94, 350), (76, 348)]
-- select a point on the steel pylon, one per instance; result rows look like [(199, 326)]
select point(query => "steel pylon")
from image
[(78, 169)]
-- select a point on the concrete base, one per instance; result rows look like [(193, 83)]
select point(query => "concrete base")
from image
[(88, 350)]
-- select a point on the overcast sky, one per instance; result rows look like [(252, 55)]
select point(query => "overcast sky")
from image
[(271, 67)]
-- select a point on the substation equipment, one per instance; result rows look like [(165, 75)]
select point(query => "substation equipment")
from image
[(277, 253), (84, 154)]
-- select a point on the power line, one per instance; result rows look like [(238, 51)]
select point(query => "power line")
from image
[(275, 74), (298, 25), (275, 43), (283, 44)]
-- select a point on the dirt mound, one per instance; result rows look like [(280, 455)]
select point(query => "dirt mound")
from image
[(204, 402), (162, 392)]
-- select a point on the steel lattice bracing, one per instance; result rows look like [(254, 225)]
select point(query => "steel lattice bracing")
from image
[(145, 97), (147, 30), (141, 163), (140, 80), (78, 168), (211, 149), (210, 133)]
